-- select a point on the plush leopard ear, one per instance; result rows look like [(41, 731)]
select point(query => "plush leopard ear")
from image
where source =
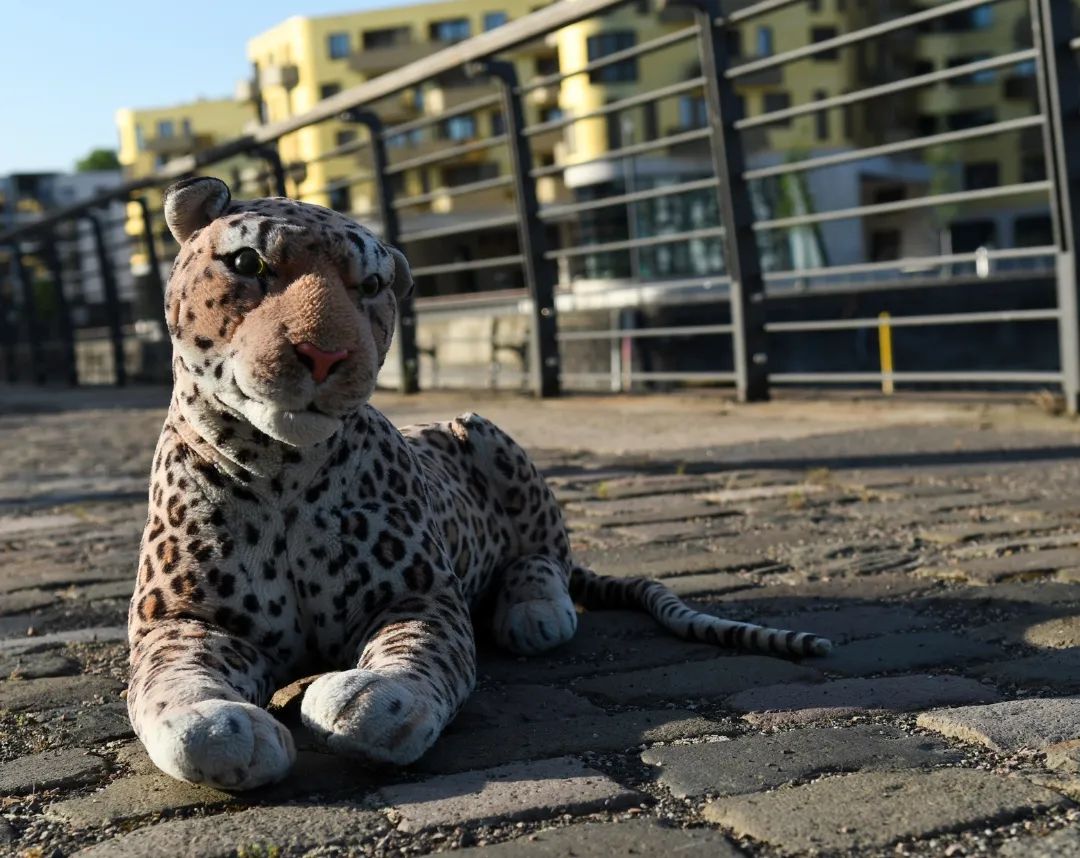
[(403, 280), (193, 203)]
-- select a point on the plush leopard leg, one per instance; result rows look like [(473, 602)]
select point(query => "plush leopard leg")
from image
[(533, 608), (412, 677), (195, 700)]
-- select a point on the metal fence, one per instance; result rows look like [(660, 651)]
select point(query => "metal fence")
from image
[(562, 299)]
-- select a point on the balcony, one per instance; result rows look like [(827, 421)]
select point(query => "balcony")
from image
[(1021, 88), (442, 98), (285, 76), (178, 144), (765, 77), (376, 61)]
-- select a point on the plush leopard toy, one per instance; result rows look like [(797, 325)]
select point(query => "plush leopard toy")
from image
[(292, 528)]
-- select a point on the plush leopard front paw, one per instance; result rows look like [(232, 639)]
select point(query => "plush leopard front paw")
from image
[(372, 716), (535, 626), (220, 743)]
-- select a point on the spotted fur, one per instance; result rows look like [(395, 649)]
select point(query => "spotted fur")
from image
[(292, 528)]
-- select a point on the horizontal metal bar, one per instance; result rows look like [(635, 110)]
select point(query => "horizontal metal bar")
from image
[(905, 205), (626, 152), (670, 238), (454, 191), (933, 320), (854, 37), (457, 229), (471, 265), (754, 11), (434, 119), (338, 184), (615, 106), (648, 47), (555, 212), (872, 92), (916, 377), (638, 333), (341, 151), (652, 376), (446, 154), (944, 138), (913, 264)]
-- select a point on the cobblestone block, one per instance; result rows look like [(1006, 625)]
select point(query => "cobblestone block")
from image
[(716, 677), (797, 703), (48, 770), (870, 810), (631, 839), (841, 625), (134, 797), (523, 791), (260, 831), (1010, 725), (755, 763), (908, 651), (53, 692), (457, 751)]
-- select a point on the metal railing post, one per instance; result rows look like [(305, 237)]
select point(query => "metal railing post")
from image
[(1059, 99), (30, 313), (269, 153), (51, 257), (112, 299), (541, 275), (408, 354), (741, 258)]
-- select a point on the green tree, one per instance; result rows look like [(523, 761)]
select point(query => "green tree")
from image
[(98, 159)]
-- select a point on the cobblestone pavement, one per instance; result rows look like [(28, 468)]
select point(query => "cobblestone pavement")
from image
[(938, 545)]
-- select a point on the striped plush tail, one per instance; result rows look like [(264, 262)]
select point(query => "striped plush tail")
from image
[(593, 591)]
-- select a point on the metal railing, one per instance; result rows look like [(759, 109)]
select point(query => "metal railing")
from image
[(547, 264)]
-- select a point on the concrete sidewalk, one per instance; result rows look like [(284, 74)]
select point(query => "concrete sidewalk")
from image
[(939, 544)]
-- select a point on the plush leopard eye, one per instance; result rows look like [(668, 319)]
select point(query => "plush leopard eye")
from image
[(371, 285), (248, 263)]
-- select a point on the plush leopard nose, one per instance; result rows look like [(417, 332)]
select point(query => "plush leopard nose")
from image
[(321, 363)]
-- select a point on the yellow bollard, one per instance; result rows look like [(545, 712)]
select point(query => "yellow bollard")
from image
[(885, 348)]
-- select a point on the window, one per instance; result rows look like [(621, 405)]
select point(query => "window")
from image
[(1034, 231), (814, 5), (459, 128), (925, 123), (340, 197), (979, 77), (450, 30), (547, 65), (466, 174), (764, 42), (498, 124), (888, 194), (1032, 168), (973, 234), (493, 20), (692, 112), (822, 34), (778, 101), (343, 138), (337, 45), (884, 245), (733, 43), (970, 118), (140, 138), (185, 127), (550, 114), (821, 118), (980, 174), (605, 44), (328, 89), (166, 129), (386, 38), (979, 18)]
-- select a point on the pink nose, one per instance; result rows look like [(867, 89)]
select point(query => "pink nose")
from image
[(319, 362)]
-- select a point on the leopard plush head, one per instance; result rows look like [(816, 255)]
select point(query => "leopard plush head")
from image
[(281, 312)]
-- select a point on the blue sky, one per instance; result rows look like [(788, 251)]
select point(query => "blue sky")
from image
[(67, 65)]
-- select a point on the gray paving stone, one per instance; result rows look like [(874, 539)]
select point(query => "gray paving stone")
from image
[(1010, 725), (673, 563), (756, 763), (716, 677), (25, 600), (1064, 757), (133, 797), (1058, 633), (1059, 844), (99, 634), (850, 623), (709, 584), (265, 831), (797, 703), (665, 509), (1027, 564), (1057, 669), (907, 651), (36, 665), (676, 531), (610, 840), (510, 705), (870, 810), (468, 749), (89, 725), (781, 596), (952, 534), (522, 791), (53, 692), (48, 770)]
